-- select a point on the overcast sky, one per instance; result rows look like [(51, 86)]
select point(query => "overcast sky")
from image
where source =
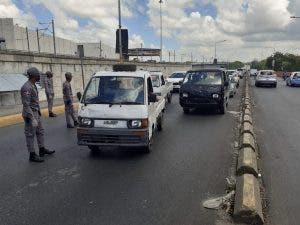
[(252, 28)]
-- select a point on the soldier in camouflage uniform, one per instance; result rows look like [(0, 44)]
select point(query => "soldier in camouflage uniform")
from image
[(68, 100), (32, 116), (49, 92)]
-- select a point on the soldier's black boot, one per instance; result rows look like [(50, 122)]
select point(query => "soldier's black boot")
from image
[(35, 158), (51, 114), (44, 151), (70, 126)]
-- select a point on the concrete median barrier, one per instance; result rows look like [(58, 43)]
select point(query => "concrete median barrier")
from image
[(247, 128), (247, 162), (247, 112), (248, 203), (249, 107), (248, 206), (247, 102), (247, 118), (248, 141)]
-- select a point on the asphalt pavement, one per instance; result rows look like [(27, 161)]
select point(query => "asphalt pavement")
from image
[(277, 124), (189, 162)]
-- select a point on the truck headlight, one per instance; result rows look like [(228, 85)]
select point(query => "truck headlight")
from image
[(135, 124), (215, 96), (86, 122), (185, 95)]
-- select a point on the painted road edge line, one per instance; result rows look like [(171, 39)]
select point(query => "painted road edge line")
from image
[(17, 118), (248, 202)]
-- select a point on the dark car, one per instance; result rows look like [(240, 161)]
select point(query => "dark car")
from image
[(205, 87)]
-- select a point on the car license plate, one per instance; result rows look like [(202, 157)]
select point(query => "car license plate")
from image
[(110, 124)]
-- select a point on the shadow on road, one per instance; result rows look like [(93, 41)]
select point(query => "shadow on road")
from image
[(117, 153)]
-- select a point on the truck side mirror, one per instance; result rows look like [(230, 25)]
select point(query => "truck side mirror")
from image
[(79, 95), (152, 98), (226, 83), (180, 82)]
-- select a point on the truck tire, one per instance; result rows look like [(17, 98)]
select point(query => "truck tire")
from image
[(94, 148), (160, 123), (222, 109), (170, 98), (147, 149), (186, 110)]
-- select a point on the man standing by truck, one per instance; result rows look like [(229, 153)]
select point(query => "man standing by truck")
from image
[(49, 92), (68, 100), (32, 116)]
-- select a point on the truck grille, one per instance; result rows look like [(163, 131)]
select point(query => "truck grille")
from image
[(111, 139)]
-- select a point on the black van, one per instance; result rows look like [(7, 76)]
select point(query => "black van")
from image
[(205, 87)]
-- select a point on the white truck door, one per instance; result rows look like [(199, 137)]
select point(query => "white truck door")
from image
[(151, 108)]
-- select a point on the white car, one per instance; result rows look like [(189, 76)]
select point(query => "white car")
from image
[(176, 78), (266, 78), (119, 108), (161, 87)]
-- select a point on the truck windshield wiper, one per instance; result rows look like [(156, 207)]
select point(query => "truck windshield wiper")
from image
[(124, 103)]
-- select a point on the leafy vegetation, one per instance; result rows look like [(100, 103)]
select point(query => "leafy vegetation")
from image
[(282, 62)]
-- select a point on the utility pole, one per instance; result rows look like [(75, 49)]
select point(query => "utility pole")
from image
[(100, 49), (38, 39), (218, 42), (27, 37), (174, 56), (142, 52), (192, 58), (161, 39), (169, 56), (53, 32), (120, 35)]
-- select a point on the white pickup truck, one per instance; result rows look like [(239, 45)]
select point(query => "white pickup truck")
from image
[(161, 87), (119, 108)]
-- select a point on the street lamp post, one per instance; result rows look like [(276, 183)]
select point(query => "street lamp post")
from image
[(160, 2), (218, 42)]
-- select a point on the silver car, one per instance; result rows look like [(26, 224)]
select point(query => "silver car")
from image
[(266, 78)]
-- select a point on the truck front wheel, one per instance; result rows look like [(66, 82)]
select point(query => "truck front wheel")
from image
[(186, 110), (223, 108), (170, 98), (94, 149), (160, 123)]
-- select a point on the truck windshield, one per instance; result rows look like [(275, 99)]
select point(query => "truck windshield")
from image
[(204, 78), (115, 90), (155, 80)]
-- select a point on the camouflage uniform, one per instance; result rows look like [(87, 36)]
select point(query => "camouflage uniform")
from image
[(68, 100), (32, 116), (49, 93)]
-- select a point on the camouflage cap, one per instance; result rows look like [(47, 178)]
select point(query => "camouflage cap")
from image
[(68, 75), (33, 72), (49, 73)]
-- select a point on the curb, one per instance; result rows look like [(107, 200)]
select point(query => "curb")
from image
[(17, 118), (248, 202), (248, 207)]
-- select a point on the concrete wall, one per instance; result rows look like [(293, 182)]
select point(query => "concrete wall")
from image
[(63, 46), (16, 39), (93, 50), (14, 62), (7, 32)]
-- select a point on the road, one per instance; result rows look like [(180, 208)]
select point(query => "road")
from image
[(277, 124), (189, 163)]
